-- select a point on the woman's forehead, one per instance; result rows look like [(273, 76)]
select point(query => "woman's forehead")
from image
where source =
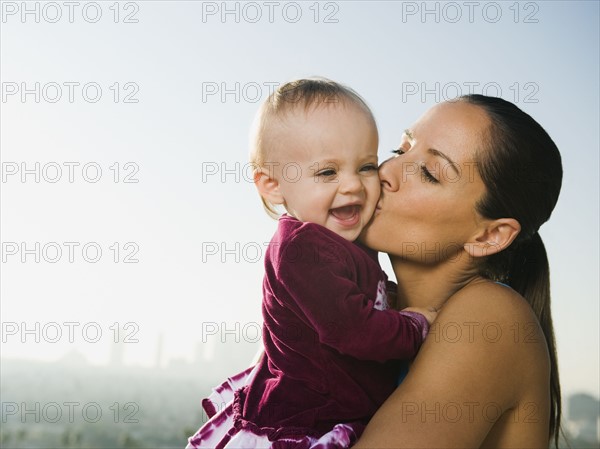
[(455, 127)]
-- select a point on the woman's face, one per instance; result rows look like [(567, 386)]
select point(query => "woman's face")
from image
[(428, 194)]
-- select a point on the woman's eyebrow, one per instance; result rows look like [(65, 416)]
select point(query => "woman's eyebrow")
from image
[(435, 152)]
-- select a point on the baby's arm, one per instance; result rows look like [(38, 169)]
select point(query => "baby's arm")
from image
[(430, 313), (422, 317), (323, 293)]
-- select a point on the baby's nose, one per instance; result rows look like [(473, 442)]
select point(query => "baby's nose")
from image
[(351, 184)]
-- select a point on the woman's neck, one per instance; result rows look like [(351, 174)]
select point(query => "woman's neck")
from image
[(429, 285)]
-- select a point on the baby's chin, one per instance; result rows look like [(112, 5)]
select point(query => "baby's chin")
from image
[(350, 235)]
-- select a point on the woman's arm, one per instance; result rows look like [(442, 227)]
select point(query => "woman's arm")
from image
[(484, 348)]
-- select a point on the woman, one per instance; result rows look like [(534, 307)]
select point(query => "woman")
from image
[(460, 210)]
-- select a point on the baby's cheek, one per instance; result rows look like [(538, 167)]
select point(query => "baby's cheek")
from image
[(373, 190), (378, 187)]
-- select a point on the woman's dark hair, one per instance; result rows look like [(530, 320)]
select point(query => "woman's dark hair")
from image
[(521, 168)]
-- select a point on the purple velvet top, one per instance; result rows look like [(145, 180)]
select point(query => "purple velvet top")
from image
[(329, 341)]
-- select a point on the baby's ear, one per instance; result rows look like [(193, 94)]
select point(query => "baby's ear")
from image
[(493, 237), (268, 187)]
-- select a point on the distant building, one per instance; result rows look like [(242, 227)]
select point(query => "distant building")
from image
[(73, 358), (583, 417)]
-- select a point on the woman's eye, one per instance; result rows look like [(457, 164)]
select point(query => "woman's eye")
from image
[(398, 151), (427, 175)]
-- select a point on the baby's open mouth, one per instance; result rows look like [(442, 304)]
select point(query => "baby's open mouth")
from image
[(346, 213)]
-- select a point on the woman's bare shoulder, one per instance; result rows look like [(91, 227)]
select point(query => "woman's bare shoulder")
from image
[(484, 351), (488, 301), (498, 332)]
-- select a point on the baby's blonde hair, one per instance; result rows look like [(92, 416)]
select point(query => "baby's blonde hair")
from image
[(307, 93)]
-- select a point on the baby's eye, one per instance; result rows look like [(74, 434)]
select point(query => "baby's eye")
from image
[(399, 151), (369, 167), (326, 172)]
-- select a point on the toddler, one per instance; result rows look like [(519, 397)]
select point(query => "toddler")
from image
[(331, 341)]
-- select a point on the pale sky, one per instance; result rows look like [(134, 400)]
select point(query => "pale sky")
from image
[(170, 88)]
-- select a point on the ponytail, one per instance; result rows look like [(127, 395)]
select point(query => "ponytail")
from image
[(525, 268), (529, 274), (521, 168)]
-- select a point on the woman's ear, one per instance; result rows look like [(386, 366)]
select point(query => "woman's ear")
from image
[(268, 187), (496, 236)]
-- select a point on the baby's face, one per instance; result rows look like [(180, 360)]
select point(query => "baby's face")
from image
[(326, 166)]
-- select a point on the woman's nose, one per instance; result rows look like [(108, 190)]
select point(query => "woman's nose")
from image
[(388, 174)]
